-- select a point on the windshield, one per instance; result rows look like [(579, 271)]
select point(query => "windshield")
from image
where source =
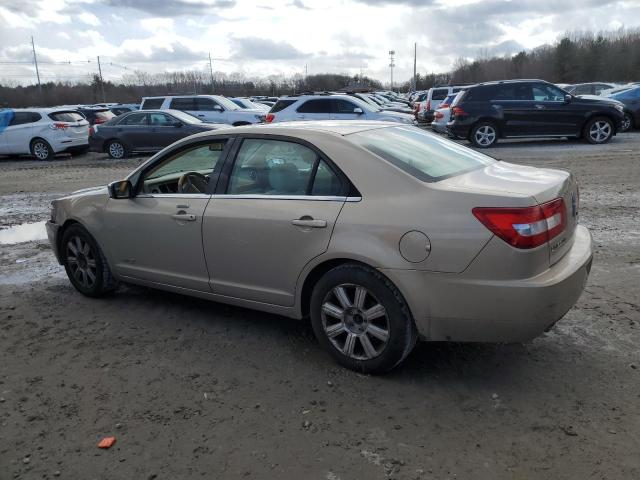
[(364, 105), (369, 101), (226, 103), (424, 155)]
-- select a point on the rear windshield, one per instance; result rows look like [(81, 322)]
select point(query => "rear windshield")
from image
[(66, 116), (105, 115), (424, 155), (281, 105)]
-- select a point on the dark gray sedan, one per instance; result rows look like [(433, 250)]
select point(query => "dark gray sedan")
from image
[(145, 131)]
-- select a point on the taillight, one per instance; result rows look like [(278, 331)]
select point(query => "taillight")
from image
[(526, 227), (269, 118), (428, 105), (99, 120), (444, 105), (417, 107), (458, 111), (439, 115), (91, 131), (58, 126)]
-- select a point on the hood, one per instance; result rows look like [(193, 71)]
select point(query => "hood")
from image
[(252, 111), (596, 100), (211, 126), (88, 191)]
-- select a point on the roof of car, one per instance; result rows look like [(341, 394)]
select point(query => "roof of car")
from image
[(501, 82), (340, 127)]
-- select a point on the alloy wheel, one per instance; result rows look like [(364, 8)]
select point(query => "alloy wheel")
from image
[(600, 131), (355, 322), (40, 150), (626, 123), (485, 135), (81, 261), (116, 150)]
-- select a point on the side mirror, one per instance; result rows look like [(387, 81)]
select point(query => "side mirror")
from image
[(120, 189), (567, 98), (358, 110)]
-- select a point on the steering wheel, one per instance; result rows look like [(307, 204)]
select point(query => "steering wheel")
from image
[(192, 182)]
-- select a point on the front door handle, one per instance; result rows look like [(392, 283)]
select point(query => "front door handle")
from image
[(184, 217), (309, 222), (540, 107)]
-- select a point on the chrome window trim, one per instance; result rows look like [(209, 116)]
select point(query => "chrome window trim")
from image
[(316, 198)]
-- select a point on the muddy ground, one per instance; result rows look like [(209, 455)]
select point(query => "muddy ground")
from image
[(193, 389)]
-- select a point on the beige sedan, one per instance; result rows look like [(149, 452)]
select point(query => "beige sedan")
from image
[(381, 234)]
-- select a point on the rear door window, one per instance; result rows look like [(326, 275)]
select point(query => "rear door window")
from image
[(152, 103), (135, 119)]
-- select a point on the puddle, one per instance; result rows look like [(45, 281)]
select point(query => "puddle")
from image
[(26, 232)]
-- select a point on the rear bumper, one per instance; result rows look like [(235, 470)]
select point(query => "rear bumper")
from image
[(96, 145), (64, 144), (52, 235), (456, 130), (450, 307)]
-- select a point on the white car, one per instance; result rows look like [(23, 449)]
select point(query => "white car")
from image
[(330, 107), (42, 132), (247, 104), (442, 115), (208, 108), (426, 108)]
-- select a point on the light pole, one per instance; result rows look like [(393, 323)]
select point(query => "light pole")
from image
[(391, 65)]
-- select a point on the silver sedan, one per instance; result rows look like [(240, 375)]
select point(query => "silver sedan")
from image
[(381, 234)]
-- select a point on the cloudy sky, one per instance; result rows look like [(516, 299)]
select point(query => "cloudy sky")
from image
[(264, 37)]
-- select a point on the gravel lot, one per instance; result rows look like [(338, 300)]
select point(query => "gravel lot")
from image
[(193, 389)]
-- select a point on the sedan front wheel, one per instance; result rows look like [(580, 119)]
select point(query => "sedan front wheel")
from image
[(361, 319)]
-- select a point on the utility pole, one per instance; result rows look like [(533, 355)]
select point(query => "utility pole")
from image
[(211, 72), (415, 56), (35, 60), (391, 65), (101, 80)]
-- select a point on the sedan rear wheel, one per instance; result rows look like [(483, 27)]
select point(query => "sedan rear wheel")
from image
[(361, 319), (116, 149), (484, 135), (599, 130)]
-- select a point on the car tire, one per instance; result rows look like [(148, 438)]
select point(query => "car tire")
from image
[(598, 130), (117, 150), (484, 134), (41, 149), (361, 319), (85, 264), (627, 122)]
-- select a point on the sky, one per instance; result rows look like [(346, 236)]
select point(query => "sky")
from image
[(258, 38)]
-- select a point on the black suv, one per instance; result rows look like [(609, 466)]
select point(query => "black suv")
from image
[(530, 108)]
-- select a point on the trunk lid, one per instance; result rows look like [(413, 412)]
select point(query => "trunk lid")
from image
[(518, 185)]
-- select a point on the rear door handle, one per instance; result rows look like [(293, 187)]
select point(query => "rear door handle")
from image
[(540, 107), (184, 217), (309, 223)]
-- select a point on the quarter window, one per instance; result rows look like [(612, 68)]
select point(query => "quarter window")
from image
[(152, 103), (186, 172), (20, 118), (276, 167)]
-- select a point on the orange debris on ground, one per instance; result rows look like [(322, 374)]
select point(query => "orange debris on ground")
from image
[(107, 442)]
